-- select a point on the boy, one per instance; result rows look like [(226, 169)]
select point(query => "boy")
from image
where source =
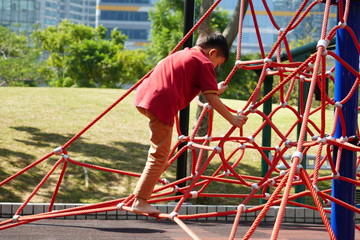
[(172, 85)]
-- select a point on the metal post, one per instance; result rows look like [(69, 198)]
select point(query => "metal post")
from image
[(306, 86), (266, 134), (189, 12), (342, 219)]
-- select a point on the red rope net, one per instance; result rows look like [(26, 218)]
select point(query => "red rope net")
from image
[(228, 152)]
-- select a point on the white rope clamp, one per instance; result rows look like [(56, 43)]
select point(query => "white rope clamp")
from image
[(335, 176), (338, 104), (255, 186), (268, 60), (15, 218), (227, 173), (218, 149), (251, 108), (190, 145), (242, 146), (242, 206), (328, 74), (180, 138), (267, 196), (277, 149), (194, 194), (173, 214), (251, 139), (195, 174), (330, 138), (316, 188), (287, 143), (66, 157), (302, 78), (284, 104), (315, 137), (238, 63), (207, 105), (310, 66), (165, 181), (120, 206), (322, 42), (327, 202), (240, 111), (176, 189), (297, 154), (58, 151), (344, 139), (342, 24), (208, 137)]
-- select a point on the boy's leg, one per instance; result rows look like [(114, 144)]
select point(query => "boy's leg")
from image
[(157, 161)]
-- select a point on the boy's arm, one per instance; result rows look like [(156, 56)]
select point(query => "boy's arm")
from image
[(216, 103)]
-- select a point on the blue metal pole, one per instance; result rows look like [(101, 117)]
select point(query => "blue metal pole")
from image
[(342, 219)]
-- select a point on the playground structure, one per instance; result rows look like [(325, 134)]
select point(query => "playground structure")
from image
[(332, 141)]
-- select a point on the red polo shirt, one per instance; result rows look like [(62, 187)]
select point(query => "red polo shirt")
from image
[(175, 82)]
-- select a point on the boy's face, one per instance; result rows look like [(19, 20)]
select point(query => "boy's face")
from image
[(216, 58)]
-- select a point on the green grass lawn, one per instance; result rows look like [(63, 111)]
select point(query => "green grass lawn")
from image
[(36, 120)]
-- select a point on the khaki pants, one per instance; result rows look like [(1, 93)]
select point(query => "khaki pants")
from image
[(157, 161)]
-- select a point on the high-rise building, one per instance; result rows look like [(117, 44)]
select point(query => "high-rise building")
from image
[(19, 15), (129, 16), (250, 43), (78, 11), (22, 15), (310, 26)]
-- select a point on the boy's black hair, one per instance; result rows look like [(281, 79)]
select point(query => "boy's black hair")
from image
[(215, 40)]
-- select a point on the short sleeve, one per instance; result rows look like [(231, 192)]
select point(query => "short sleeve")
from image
[(207, 77)]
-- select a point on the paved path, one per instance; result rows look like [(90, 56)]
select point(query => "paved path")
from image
[(54, 229)]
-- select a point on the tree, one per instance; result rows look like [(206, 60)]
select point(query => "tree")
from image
[(166, 28), (82, 56), (167, 24), (18, 60)]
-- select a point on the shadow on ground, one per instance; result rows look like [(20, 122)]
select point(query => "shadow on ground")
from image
[(125, 156)]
